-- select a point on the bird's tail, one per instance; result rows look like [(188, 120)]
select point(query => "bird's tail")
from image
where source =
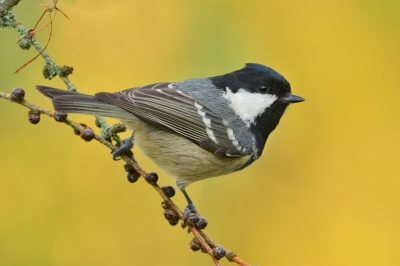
[(72, 102)]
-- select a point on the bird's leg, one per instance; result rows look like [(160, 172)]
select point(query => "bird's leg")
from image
[(127, 146), (190, 208), (190, 215)]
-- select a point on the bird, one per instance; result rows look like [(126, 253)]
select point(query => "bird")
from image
[(197, 128)]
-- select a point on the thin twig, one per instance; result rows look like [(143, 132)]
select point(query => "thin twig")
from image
[(32, 34)]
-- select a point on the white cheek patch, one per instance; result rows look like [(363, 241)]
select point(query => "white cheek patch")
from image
[(248, 106)]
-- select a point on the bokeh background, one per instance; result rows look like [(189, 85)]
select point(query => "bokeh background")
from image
[(325, 191)]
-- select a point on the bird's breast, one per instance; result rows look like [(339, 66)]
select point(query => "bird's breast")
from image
[(182, 158)]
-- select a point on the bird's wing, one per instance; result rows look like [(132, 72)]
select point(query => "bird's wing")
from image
[(162, 104)]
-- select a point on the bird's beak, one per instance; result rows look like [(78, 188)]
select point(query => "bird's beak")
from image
[(291, 98)]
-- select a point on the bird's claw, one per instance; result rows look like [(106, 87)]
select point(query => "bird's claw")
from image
[(190, 208), (187, 214)]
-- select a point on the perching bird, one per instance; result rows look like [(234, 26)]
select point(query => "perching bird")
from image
[(197, 128)]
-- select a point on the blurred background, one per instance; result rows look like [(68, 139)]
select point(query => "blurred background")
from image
[(325, 191)]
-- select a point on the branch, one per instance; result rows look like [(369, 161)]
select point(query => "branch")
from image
[(7, 4), (79, 128), (207, 245)]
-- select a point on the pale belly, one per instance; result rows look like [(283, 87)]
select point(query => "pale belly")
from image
[(180, 157)]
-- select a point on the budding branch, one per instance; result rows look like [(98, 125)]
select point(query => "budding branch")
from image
[(7, 19)]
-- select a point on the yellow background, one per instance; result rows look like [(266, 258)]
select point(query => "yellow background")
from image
[(325, 192)]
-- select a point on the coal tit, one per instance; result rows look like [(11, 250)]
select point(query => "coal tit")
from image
[(197, 128)]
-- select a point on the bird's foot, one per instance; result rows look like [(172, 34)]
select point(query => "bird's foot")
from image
[(191, 217), (189, 209), (125, 148)]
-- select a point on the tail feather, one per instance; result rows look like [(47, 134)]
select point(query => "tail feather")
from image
[(51, 93), (72, 102)]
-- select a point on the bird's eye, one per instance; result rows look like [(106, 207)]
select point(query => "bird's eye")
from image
[(263, 88)]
